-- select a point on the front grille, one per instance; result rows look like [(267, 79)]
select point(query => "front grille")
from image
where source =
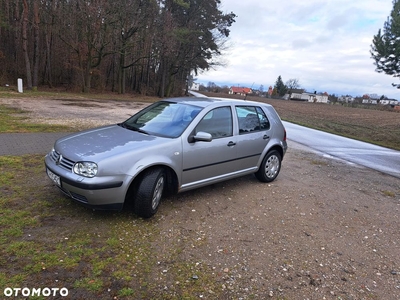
[(73, 195), (62, 161), (78, 197)]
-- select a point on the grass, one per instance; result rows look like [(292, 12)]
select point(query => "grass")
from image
[(389, 194), (48, 241), (11, 93), (16, 120)]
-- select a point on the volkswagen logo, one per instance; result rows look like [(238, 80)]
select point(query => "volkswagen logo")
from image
[(59, 159)]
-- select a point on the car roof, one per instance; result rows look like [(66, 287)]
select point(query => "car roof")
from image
[(204, 101)]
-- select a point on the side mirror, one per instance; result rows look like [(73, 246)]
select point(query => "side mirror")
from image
[(202, 136)]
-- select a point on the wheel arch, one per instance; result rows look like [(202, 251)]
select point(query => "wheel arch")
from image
[(277, 148), (172, 182)]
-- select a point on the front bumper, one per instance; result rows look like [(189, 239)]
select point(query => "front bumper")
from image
[(97, 193)]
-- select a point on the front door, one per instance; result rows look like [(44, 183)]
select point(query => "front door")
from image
[(208, 161)]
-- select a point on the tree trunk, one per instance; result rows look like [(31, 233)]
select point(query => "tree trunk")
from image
[(25, 15), (47, 78), (121, 72), (88, 80), (36, 45)]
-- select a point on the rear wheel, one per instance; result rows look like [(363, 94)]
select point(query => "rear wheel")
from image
[(149, 192), (270, 167)]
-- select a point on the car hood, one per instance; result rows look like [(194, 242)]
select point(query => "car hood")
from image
[(98, 143)]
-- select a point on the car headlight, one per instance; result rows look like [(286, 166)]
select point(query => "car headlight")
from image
[(85, 168)]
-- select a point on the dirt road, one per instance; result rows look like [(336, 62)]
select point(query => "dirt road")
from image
[(324, 229)]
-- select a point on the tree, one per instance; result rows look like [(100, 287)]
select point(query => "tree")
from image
[(293, 84), (195, 33), (133, 35), (280, 87), (25, 21), (89, 36), (385, 48), (148, 46)]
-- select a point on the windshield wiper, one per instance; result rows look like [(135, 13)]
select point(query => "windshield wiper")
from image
[(127, 126)]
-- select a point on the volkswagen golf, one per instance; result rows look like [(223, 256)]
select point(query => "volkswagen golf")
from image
[(171, 146)]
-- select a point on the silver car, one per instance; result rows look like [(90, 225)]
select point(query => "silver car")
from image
[(170, 146)]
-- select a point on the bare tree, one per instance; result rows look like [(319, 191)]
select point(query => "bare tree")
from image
[(25, 21), (36, 39), (130, 32), (85, 30), (293, 84)]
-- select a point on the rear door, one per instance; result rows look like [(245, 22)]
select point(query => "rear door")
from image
[(254, 134), (208, 161)]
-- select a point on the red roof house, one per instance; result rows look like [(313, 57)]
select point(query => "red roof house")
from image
[(234, 90)]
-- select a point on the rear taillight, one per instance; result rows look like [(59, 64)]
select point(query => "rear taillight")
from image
[(284, 135)]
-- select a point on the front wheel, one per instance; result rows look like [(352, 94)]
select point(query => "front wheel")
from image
[(270, 167), (149, 193)]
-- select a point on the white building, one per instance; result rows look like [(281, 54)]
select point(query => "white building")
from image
[(346, 99), (370, 101), (389, 102), (195, 86), (310, 97)]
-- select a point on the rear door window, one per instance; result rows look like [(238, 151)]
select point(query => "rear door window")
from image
[(251, 119)]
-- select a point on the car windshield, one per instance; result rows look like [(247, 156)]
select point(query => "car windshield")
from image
[(167, 119)]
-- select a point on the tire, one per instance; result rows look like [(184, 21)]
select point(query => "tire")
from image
[(149, 192), (270, 167)]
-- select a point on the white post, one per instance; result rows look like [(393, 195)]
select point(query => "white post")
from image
[(20, 86)]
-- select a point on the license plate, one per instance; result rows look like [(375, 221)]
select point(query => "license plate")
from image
[(54, 177)]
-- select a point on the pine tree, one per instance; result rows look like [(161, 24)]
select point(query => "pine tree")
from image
[(280, 86), (385, 48)]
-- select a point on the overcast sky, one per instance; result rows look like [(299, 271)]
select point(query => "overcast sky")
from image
[(325, 44)]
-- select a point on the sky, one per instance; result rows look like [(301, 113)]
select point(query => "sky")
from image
[(324, 44)]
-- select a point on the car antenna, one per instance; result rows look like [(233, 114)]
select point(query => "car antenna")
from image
[(245, 96)]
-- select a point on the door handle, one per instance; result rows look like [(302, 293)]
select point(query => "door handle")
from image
[(266, 137), (230, 144)]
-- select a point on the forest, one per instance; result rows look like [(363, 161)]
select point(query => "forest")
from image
[(150, 47)]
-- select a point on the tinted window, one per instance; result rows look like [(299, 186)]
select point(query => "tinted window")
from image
[(251, 118), (217, 122)]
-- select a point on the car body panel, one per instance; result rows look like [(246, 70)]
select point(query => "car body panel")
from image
[(206, 160), (122, 154)]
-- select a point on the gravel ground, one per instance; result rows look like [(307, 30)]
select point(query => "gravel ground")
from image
[(325, 229)]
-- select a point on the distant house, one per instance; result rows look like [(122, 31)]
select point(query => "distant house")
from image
[(301, 95), (346, 99), (370, 101), (320, 98), (195, 86), (243, 91), (297, 94), (390, 102)]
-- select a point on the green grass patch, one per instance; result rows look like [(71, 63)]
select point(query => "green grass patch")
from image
[(91, 284), (16, 120), (47, 240), (318, 162), (389, 194), (11, 92)]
